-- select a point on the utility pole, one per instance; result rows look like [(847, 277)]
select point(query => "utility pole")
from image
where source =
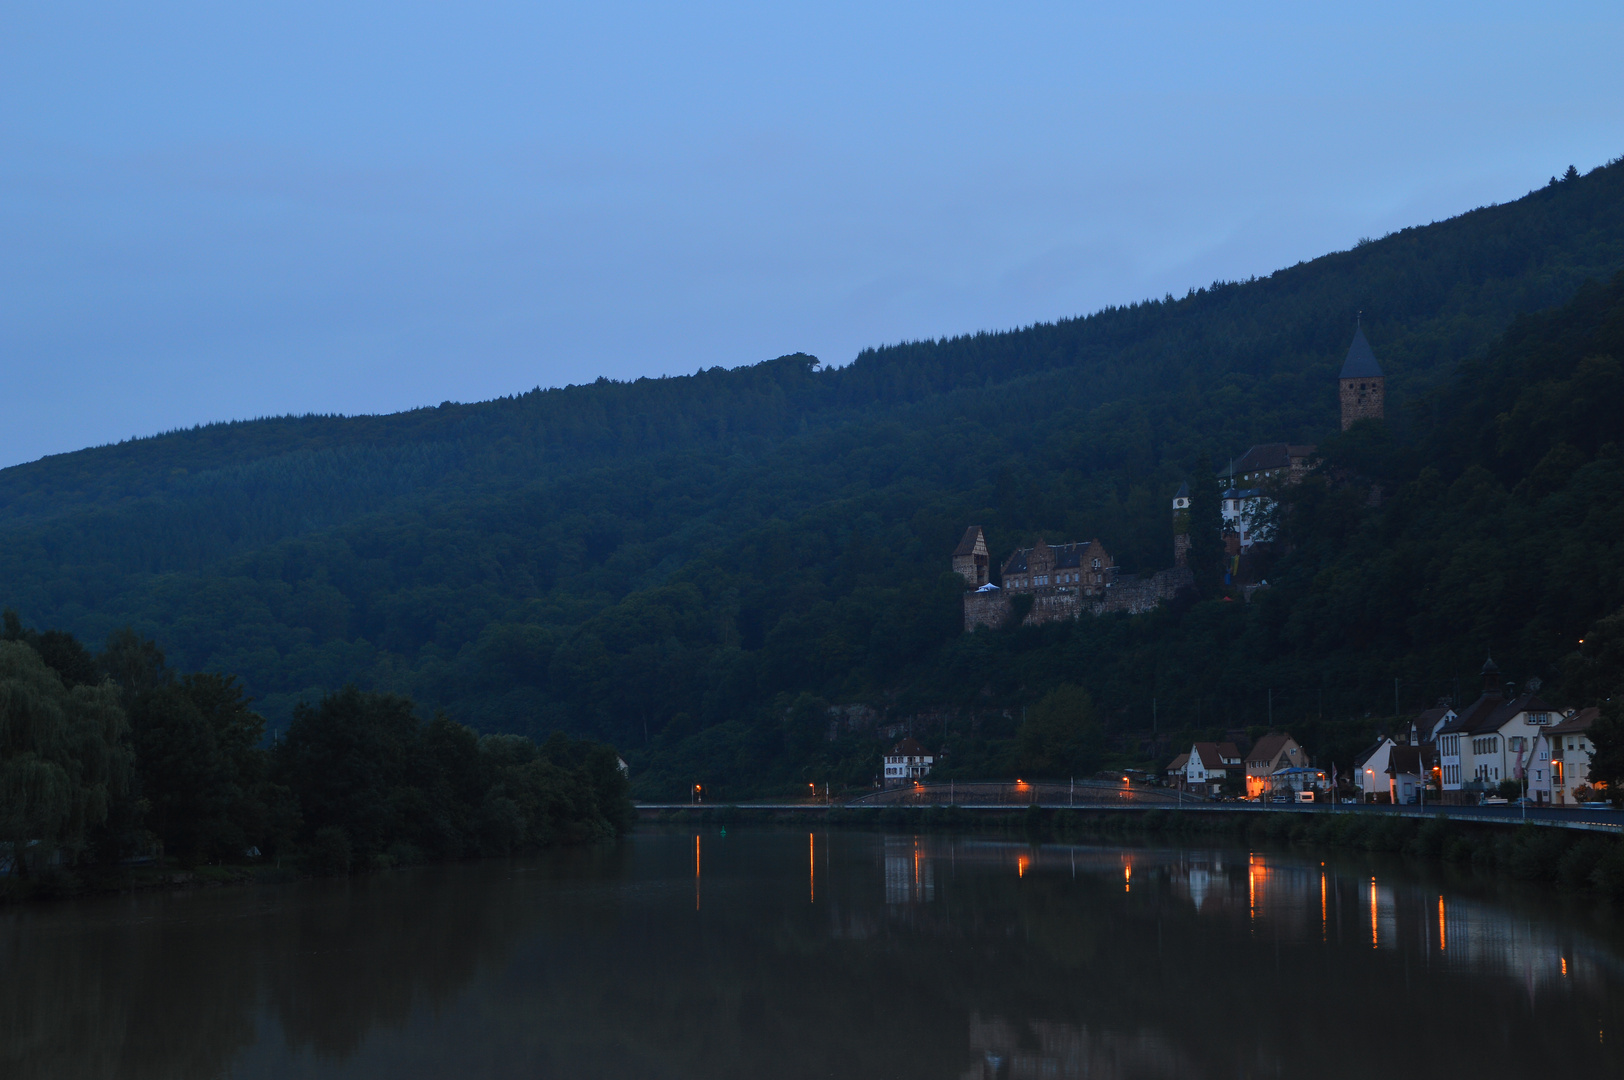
[(1395, 697), (1153, 716), (1271, 707)]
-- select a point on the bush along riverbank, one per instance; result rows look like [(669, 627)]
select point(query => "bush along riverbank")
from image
[(1567, 858), (117, 773)]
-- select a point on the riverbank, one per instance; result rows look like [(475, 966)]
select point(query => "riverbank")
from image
[(1570, 859)]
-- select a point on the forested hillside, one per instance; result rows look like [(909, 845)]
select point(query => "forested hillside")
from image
[(693, 567)]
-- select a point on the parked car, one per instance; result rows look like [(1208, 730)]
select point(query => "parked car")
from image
[(1306, 795), (1492, 800)]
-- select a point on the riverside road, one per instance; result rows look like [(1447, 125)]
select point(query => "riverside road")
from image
[(1098, 796)]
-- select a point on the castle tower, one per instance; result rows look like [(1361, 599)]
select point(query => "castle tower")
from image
[(1363, 386), (970, 558), (1181, 526)]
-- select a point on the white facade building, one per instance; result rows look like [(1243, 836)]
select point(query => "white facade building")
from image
[(1570, 750), (1371, 770), (907, 761)]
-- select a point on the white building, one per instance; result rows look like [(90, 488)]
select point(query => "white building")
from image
[(1210, 764), (1370, 768), (907, 761), (1569, 749), (1501, 747), (1245, 504)]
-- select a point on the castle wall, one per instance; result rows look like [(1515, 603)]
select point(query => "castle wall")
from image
[(1132, 595), (985, 609)]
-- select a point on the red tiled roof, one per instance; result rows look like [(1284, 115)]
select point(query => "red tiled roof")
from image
[(1268, 748), (1577, 724)]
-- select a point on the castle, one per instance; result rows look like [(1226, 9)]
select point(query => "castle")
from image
[(1066, 580), (1063, 581)]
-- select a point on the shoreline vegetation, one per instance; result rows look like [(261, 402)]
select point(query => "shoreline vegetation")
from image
[(1572, 860), (118, 773)]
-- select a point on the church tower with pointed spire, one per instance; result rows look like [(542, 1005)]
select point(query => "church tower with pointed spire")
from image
[(1364, 390)]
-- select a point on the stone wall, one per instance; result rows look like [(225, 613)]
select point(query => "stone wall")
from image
[(1362, 399), (1134, 595)]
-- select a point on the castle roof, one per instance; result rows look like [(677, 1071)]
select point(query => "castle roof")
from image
[(1066, 556), (1183, 491), (1267, 457), (1361, 362), (967, 546)]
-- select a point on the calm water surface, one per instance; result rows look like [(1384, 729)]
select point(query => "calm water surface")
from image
[(793, 954)]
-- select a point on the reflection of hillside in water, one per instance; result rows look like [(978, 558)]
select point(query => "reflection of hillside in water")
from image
[(789, 954), (1060, 1051)]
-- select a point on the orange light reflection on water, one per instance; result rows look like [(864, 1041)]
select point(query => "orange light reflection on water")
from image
[(1322, 902), (1021, 863), (1373, 938)]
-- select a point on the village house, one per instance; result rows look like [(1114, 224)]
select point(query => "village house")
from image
[(1407, 774), (1271, 754), (1297, 779), (1209, 765), (1492, 740), (1370, 770), (907, 761), (1423, 728), (1175, 770), (1569, 761), (1456, 770)]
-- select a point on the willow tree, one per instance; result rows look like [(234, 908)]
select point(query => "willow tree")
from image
[(63, 757)]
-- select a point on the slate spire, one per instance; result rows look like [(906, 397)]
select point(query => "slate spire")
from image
[(1361, 361)]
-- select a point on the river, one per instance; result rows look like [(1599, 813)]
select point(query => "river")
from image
[(769, 953)]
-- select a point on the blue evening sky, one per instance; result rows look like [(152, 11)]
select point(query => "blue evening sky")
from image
[(216, 211)]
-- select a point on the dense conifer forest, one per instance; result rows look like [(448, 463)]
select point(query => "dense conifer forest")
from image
[(696, 569)]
